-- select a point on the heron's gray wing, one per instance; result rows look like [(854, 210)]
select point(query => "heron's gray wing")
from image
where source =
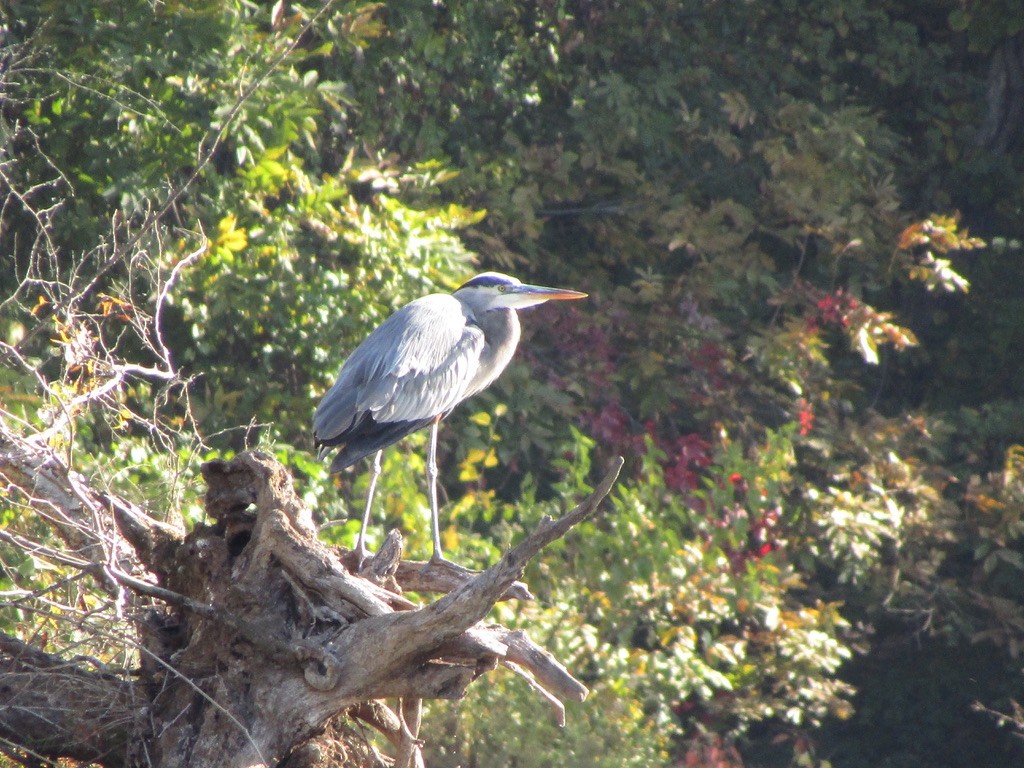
[(425, 372), (416, 365)]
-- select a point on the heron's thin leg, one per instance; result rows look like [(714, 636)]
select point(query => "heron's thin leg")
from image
[(435, 527), (361, 541)]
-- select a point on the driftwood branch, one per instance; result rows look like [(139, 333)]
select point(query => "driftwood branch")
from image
[(405, 640)]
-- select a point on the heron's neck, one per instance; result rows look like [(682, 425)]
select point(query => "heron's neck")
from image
[(501, 336)]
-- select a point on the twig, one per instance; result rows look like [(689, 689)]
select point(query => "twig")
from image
[(557, 707), (165, 289)]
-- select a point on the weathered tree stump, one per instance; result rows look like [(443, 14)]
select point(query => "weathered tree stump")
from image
[(259, 646)]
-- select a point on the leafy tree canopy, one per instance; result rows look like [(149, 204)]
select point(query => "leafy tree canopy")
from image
[(802, 333)]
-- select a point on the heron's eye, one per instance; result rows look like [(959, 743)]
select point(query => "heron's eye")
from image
[(502, 288)]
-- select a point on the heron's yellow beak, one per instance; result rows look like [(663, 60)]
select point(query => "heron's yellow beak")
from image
[(541, 293)]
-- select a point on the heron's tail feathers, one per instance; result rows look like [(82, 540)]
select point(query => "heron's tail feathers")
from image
[(368, 438)]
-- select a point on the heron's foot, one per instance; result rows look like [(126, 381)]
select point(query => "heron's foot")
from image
[(358, 558), (439, 562)]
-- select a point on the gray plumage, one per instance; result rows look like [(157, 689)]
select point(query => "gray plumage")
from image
[(420, 363)]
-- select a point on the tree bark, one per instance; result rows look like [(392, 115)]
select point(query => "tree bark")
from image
[(257, 645)]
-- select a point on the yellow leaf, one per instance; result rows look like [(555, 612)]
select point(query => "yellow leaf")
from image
[(234, 241), (1014, 456), (912, 236), (987, 503), (229, 237), (483, 418), (462, 506), (450, 538), (226, 225)]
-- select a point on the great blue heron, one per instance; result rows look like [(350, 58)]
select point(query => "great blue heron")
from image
[(415, 367)]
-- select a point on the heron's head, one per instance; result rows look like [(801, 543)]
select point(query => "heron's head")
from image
[(493, 290)]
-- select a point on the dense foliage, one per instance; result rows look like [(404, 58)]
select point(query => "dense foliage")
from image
[(805, 357)]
